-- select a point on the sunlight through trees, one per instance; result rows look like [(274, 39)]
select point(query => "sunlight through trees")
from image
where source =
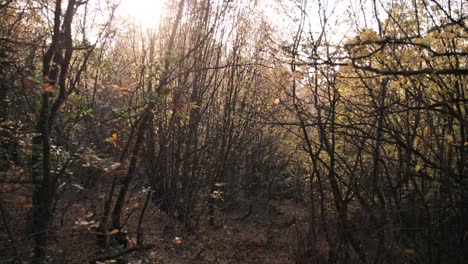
[(215, 131)]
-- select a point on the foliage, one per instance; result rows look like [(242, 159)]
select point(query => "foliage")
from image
[(358, 118)]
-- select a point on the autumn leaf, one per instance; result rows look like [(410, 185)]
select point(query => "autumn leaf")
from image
[(297, 75), (177, 240), (115, 87), (94, 226), (112, 167), (417, 142), (277, 101), (113, 232), (418, 167), (20, 201), (449, 138), (115, 139), (47, 88), (369, 34), (27, 84), (89, 215), (193, 105)]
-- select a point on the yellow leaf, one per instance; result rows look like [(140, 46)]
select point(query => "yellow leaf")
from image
[(449, 138), (277, 101), (193, 105), (418, 167), (115, 138), (369, 34)]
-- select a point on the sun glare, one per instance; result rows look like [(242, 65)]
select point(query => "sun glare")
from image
[(144, 12)]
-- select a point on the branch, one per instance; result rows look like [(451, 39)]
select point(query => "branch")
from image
[(120, 254), (412, 72)]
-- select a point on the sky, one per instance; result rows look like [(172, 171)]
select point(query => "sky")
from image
[(147, 13), (144, 12)]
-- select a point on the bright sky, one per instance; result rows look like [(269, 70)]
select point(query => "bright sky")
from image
[(144, 12), (147, 13)]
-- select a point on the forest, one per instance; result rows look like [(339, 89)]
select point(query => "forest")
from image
[(233, 131)]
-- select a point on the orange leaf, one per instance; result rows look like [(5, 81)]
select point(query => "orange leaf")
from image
[(46, 87), (113, 232), (21, 201), (112, 167), (115, 87), (177, 240)]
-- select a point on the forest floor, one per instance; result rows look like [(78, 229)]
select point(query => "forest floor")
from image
[(266, 235)]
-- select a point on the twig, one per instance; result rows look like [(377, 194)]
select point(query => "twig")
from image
[(247, 214), (10, 234), (120, 254)]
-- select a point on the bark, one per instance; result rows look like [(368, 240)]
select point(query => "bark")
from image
[(55, 70), (126, 181)]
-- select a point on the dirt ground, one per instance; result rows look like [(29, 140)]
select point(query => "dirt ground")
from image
[(265, 236)]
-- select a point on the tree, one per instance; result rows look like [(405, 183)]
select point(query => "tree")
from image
[(376, 97)]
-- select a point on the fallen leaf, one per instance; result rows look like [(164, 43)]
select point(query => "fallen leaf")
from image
[(177, 240), (21, 201), (89, 215)]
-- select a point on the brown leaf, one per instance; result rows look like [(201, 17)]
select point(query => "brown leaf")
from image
[(46, 87), (27, 84), (20, 201), (89, 215)]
